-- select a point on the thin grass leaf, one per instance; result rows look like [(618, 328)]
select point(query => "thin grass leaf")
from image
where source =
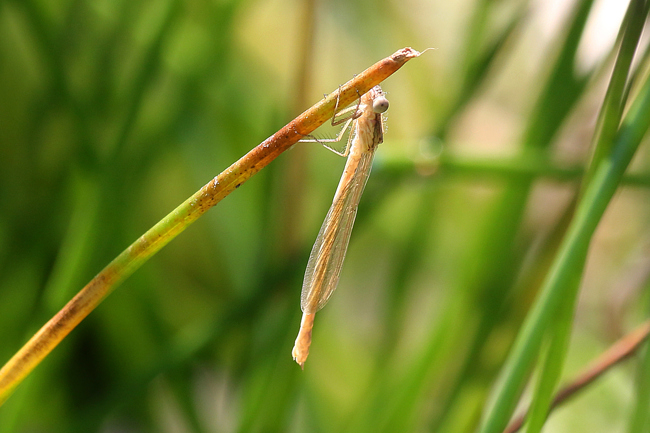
[(144, 76), (563, 88), (569, 259), (640, 417), (77, 244), (531, 164), (623, 349), (611, 111), (605, 131), (491, 273), (553, 360), (388, 410), (477, 64)]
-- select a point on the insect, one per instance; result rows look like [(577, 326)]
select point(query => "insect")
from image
[(328, 252)]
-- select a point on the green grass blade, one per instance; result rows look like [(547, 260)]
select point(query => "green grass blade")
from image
[(612, 109), (490, 272), (568, 263), (606, 128), (563, 87), (477, 63), (640, 420), (553, 360)]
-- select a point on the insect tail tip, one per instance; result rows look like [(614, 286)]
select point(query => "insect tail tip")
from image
[(301, 364)]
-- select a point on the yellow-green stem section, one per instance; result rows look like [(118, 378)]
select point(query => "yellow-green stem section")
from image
[(55, 330)]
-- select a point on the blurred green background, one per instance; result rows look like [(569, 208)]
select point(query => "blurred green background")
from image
[(114, 112)]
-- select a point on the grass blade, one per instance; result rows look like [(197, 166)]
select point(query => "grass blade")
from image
[(606, 128), (568, 262), (640, 420)]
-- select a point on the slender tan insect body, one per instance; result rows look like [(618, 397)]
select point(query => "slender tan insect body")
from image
[(328, 252)]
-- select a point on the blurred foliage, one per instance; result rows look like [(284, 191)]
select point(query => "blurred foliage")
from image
[(112, 113)]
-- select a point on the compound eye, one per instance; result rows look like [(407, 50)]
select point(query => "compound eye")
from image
[(380, 105)]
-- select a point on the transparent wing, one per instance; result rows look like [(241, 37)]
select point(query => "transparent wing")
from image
[(328, 252)]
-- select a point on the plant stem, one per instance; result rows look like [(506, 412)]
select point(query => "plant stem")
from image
[(617, 353), (56, 329)]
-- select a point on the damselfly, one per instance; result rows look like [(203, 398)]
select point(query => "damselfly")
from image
[(328, 252)]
